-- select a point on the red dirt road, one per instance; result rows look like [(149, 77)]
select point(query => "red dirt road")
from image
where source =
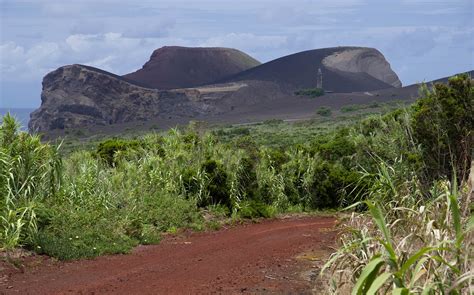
[(252, 258)]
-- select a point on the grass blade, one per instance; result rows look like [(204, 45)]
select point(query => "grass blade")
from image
[(367, 276), (378, 283), (413, 259)]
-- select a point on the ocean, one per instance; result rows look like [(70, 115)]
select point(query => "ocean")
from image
[(22, 115)]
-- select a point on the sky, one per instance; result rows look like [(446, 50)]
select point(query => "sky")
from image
[(422, 39)]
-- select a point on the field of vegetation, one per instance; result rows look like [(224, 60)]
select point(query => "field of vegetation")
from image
[(402, 176)]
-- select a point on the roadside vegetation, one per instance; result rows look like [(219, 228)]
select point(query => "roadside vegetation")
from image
[(402, 175), (311, 92), (413, 232), (356, 107), (324, 111)]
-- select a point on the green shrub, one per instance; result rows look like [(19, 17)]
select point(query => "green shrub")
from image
[(256, 209), (324, 111), (239, 131), (334, 146), (247, 178), (356, 107), (351, 108), (273, 122), (217, 185), (326, 190), (107, 150), (443, 124), (82, 243), (312, 92), (164, 212), (374, 105)]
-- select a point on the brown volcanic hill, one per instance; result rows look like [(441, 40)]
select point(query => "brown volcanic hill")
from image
[(173, 67), (344, 69)]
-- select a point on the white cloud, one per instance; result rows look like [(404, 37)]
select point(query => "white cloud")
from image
[(110, 51), (10, 55), (43, 54), (246, 41), (416, 36), (416, 42)]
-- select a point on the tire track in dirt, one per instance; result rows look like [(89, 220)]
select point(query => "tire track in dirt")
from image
[(251, 258)]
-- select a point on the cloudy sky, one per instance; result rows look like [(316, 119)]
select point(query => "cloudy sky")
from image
[(422, 39)]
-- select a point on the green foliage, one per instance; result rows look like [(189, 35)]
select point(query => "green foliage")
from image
[(409, 248), (356, 107), (334, 146), (324, 111), (159, 183), (415, 237), (217, 184), (312, 92), (107, 150), (130, 191), (256, 209), (82, 240), (443, 124), (29, 174), (239, 131), (350, 108)]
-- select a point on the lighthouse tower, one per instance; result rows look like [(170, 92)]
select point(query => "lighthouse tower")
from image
[(319, 79)]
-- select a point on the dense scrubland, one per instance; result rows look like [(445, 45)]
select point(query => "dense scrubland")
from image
[(401, 176)]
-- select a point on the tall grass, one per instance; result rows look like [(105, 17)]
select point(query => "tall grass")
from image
[(426, 248), (131, 191), (417, 234), (29, 174), (128, 192)]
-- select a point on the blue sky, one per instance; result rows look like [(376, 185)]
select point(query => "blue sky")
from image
[(422, 40)]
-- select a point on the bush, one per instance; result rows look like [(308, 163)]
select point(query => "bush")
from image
[(443, 124), (312, 92), (324, 111), (417, 234), (107, 150), (217, 185), (256, 209), (83, 242), (335, 146), (326, 190), (351, 108), (164, 212), (273, 122)]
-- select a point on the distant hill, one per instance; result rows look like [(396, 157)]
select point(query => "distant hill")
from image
[(173, 67), (344, 69), (83, 97)]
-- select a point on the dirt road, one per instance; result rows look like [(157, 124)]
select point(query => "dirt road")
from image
[(261, 258)]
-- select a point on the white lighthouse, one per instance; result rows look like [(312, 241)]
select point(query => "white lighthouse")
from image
[(319, 79)]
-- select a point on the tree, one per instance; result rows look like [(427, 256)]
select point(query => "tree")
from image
[(443, 123)]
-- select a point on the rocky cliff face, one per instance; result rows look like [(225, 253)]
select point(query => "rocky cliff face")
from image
[(77, 96), (363, 60)]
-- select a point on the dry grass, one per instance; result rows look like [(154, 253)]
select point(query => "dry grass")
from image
[(425, 249)]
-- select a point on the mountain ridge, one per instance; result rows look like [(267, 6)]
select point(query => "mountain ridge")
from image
[(80, 96)]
